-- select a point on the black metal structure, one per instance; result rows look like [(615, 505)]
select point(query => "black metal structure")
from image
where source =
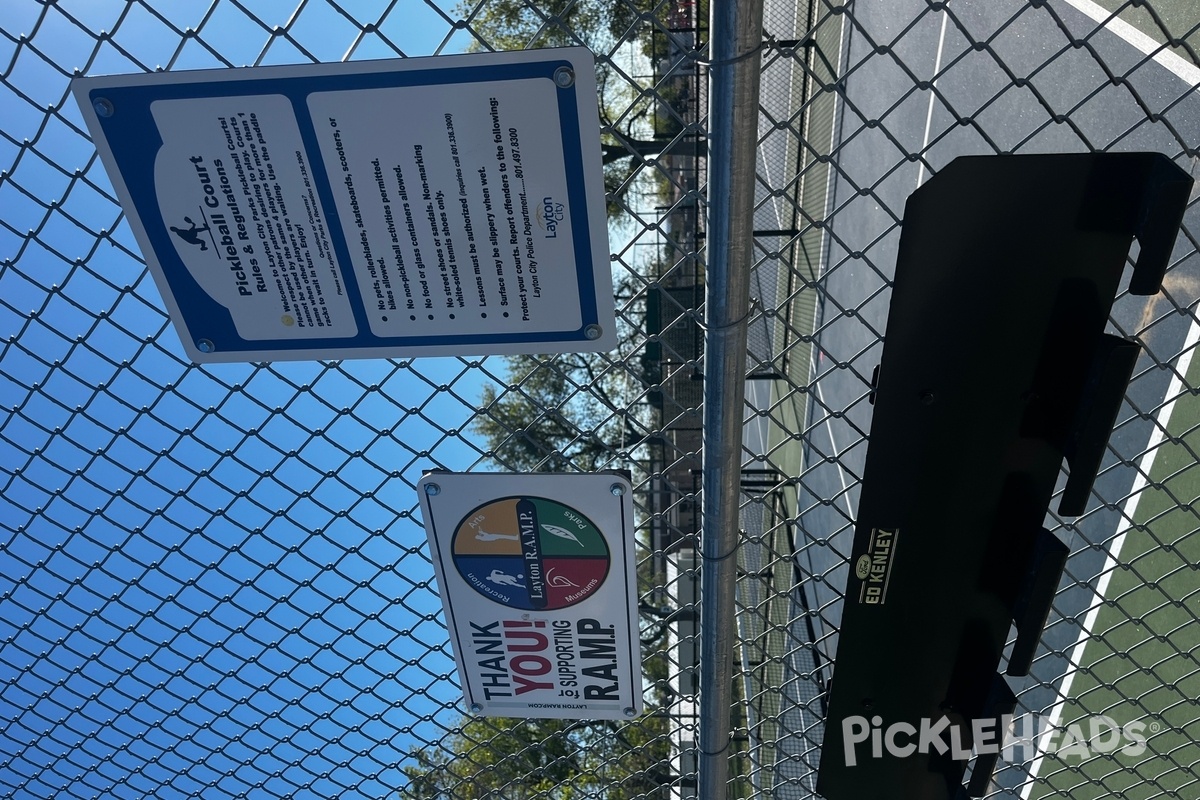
[(996, 367)]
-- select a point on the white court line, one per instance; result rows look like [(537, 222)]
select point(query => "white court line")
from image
[(756, 431), (837, 454), (1190, 74), (921, 176), (937, 66), (1145, 465), (1185, 70)]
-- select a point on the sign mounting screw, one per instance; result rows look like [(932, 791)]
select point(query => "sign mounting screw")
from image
[(564, 77)]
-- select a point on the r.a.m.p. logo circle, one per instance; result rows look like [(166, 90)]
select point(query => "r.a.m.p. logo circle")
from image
[(531, 553)]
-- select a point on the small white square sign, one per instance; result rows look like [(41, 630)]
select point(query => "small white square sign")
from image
[(539, 585)]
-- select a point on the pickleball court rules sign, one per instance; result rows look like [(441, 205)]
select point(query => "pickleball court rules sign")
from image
[(538, 581), (406, 207)]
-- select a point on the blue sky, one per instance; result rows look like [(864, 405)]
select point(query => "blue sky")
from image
[(209, 578)]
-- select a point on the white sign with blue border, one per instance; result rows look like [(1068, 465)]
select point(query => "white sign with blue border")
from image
[(427, 206)]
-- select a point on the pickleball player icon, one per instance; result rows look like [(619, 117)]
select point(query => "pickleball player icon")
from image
[(191, 235)]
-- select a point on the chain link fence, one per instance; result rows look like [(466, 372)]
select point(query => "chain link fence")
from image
[(214, 582)]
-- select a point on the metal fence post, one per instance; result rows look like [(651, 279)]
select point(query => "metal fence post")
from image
[(736, 35)]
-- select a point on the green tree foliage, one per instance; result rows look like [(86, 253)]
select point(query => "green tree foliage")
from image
[(571, 411), (496, 758), (521, 24), (604, 26), (559, 413)]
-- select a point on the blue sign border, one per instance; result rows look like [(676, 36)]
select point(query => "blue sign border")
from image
[(134, 140)]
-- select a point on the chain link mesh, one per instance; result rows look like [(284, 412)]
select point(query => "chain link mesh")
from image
[(214, 583)]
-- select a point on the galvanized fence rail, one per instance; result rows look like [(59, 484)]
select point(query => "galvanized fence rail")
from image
[(214, 581)]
